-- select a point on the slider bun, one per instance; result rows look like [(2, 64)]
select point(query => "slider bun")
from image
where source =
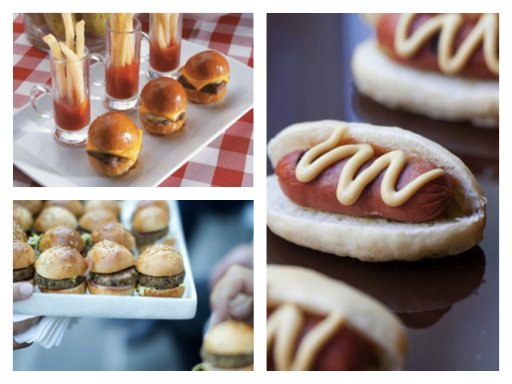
[(428, 93), (113, 133), (23, 255), (166, 98), (109, 205), (110, 257), (54, 217), (23, 217), (61, 236), (74, 206), (320, 295), (171, 292), (95, 289), (153, 203), (34, 206), (150, 219), (229, 338), (17, 232), (93, 219), (60, 263), (375, 239), (199, 97), (160, 260), (114, 232), (79, 289), (205, 65)]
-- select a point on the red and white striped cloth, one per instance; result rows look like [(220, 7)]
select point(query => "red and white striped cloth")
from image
[(227, 160)]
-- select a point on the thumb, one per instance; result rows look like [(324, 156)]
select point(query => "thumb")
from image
[(21, 291)]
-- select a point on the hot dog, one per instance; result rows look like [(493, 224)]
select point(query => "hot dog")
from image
[(371, 208), (341, 329), (445, 66)]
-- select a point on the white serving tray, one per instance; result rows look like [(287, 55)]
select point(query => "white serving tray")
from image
[(37, 154), (129, 307)]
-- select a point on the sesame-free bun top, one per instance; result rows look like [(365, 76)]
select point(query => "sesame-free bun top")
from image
[(34, 206), (150, 219), (23, 217), (110, 257), (114, 133), (204, 68), (163, 97), (229, 338), (160, 260), (109, 205), (74, 206), (23, 255), (114, 232), (153, 203), (61, 236), (17, 232), (52, 217), (93, 219), (60, 263)]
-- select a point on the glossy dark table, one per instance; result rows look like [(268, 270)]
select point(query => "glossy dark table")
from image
[(450, 305)]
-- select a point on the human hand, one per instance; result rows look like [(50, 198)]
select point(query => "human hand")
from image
[(22, 291)]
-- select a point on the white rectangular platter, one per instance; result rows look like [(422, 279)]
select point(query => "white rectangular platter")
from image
[(130, 307), (37, 154)]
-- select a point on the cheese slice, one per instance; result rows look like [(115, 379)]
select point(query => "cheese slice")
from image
[(143, 110), (130, 153), (200, 83)]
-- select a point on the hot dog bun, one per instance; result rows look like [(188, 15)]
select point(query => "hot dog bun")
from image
[(428, 93), (300, 287), (374, 239)]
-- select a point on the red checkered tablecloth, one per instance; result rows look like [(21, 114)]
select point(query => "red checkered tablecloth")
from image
[(227, 160)]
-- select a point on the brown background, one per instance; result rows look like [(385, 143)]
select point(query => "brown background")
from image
[(450, 305)]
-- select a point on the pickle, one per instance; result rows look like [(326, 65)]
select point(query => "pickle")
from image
[(95, 23)]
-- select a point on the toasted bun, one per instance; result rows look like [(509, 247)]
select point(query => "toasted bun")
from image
[(74, 206), (114, 133), (320, 295), (153, 203), (109, 205), (52, 217), (60, 263), (34, 206), (17, 232), (150, 219), (428, 93), (23, 217), (110, 257), (153, 292), (160, 260), (93, 219), (61, 236), (229, 338), (23, 255), (374, 239), (164, 98), (114, 232), (95, 289), (79, 289)]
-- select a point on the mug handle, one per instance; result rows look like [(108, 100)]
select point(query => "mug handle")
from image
[(96, 58), (145, 37), (36, 93)]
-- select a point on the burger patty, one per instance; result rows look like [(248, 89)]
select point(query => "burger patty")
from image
[(23, 274), (165, 282), (212, 88), (227, 361), (149, 237), (161, 121), (125, 277), (111, 160), (45, 283)]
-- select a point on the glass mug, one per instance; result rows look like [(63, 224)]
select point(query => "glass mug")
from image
[(71, 98), (164, 44), (122, 63)]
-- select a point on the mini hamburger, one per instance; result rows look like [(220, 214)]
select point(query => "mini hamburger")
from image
[(150, 224), (153, 203), (161, 272), (109, 205), (23, 217), (163, 106), (61, 270), (93, 219), (17, 232), (23, 259), (74, 206), (52, 217), (113, 144), (61, 237), (205, 77), (34, 206), (114, 232), (228, 346), (112, 271)]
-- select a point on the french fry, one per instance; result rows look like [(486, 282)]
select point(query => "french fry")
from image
[(70, 32), (160, 36), (80, 39), (56, 52), (173, 28), (75, 78)]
